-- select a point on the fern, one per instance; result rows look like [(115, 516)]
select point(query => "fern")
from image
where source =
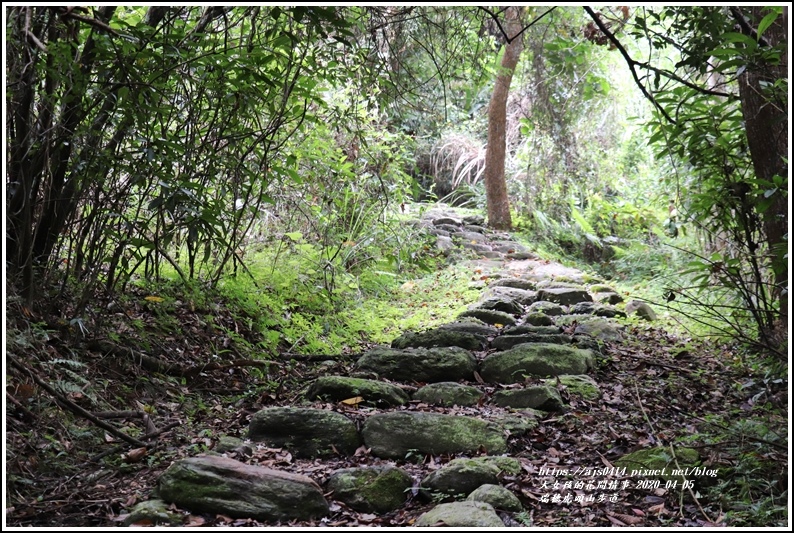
[(582, 223), (77, 365)]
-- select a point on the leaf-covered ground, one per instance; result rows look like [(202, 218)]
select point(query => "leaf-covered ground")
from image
[(197, 384)]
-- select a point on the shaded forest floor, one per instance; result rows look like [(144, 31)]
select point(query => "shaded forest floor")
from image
[(657, 389)]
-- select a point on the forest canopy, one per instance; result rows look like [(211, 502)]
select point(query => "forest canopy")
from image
[(139, 137)]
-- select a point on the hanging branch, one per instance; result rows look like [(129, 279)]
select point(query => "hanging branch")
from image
[(631, 62)]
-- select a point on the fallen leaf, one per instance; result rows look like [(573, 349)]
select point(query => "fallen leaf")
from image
[(353, 401), (133, 456)]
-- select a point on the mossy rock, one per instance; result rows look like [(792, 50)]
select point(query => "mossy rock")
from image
[(558, 283), (439, 337), (658, 463), (372, 489), (449, 363), (498, 497), (306, 432), (219, 485), (535, 359), (601, 288), (468, 514), (580, 385), (459, 477), (538, 319), (489, 316), (152, 513), (543, 397), (374, 393), (564, 296), (448, 393), (547, 308), (395, 435)]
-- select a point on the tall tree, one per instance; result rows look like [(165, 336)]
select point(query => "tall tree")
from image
[(765, 110), (495, 186), (733, 137)]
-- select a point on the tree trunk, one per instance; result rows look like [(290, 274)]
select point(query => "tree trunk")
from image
[(766, 122), (495, 186)]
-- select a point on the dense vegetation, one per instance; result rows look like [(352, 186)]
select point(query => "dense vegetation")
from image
[(261, 167)]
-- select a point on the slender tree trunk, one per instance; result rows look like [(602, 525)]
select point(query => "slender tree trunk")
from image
[(766, 122), (495, 185)]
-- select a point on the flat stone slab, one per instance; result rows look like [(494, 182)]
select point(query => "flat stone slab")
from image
[(395, 434), (219, 485)]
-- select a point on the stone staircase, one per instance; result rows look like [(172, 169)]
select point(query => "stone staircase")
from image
[(464, 389)]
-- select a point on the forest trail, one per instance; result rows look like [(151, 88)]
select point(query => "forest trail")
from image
[(523, 412)]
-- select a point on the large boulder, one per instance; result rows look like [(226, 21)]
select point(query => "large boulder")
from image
[(306, 432), (219, 485), (535, 359), (396, 434), (420, 364)]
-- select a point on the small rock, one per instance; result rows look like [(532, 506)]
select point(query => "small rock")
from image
[(461, 514), (498, 496), (642, 309)]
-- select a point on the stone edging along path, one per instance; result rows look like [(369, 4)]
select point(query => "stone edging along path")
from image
[(535, 319)]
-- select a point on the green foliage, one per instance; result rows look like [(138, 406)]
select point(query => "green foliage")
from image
[(706, 147), (174, 151)]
